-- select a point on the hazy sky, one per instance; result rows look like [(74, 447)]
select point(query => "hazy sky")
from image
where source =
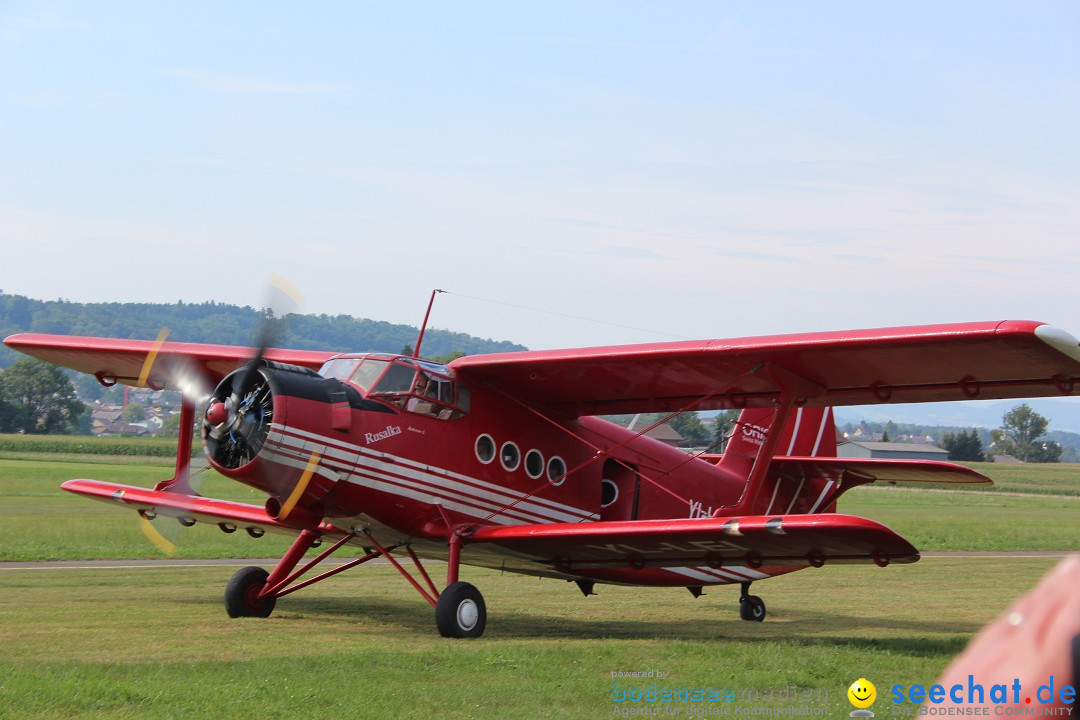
[(704, 169)]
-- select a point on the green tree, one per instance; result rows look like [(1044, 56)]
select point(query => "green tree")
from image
[(134, 412), (448, 357), (891, 431), (689, 425), (171, 426), (964, 445), (83, 424), (1020, 435), (39, 397), (723, 427), (8, 411)]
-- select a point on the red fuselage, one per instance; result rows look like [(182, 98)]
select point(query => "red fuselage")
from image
[(411, 464)]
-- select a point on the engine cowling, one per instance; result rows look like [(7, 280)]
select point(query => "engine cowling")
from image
[(263, 434)]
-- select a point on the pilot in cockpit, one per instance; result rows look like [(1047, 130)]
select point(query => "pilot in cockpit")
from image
[(420, 391)]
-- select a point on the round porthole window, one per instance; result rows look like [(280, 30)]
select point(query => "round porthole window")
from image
[(556, 471), (609, 493), (485, 449), (510, 456), (534, 464)]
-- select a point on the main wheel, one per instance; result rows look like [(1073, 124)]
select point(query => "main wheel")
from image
[(460, 612), (242, 594), (752, 608)]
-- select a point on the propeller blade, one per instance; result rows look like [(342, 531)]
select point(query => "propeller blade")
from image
[(281, 300)]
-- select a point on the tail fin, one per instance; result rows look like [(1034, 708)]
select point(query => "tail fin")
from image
[(809, 432)]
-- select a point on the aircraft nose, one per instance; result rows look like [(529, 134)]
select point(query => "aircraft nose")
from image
[(217, 413)]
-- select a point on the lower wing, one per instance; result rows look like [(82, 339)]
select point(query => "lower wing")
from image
[(229, 516), (751, 541)]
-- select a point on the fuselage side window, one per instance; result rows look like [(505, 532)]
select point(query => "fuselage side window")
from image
[(463, 398)]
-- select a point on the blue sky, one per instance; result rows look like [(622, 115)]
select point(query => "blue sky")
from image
[(693, 169)]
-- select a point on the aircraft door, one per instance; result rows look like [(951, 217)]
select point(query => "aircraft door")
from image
[(619, 491)]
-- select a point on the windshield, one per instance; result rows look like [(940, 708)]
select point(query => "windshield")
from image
[(422, 388), (368, 372), (413, 385)]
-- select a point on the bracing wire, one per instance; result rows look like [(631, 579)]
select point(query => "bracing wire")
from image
[(566, 315)]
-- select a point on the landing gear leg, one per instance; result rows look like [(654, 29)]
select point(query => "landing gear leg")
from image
[(247, 594), (751, 607), (460, 611)]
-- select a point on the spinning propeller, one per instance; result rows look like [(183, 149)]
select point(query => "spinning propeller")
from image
[(236, 415), (241, 408)]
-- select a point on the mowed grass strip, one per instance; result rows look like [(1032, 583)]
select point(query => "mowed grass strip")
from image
[(39, 521), (969, 521), (155, 643), (1032, 478), (90, 445)]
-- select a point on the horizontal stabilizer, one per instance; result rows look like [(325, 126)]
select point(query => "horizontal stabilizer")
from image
[(859, 471), (751, 541)]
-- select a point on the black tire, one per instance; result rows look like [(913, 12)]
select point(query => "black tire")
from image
[(460, 612), (241, 594), (752, 608)]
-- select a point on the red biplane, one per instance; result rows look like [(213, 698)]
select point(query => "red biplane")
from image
[(500, 461)]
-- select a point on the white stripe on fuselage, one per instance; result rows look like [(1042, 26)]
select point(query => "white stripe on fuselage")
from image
[(408, 478), (416, 490), (504, 493)]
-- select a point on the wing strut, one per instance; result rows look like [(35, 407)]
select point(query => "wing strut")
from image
[(181, 481)]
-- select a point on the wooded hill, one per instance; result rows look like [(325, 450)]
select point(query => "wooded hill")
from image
[(212, 322)]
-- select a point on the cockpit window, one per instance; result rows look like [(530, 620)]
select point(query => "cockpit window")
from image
[(413, 385), (368, 372), (420, 388), (397, 379), (340, 368)]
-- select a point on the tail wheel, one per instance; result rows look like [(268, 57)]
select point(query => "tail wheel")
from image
[(752, 608), (460, 612), (242, 594)]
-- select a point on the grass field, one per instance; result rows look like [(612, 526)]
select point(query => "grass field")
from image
[(155, 643), (38, 521)]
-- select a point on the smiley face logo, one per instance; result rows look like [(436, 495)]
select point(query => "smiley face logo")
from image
[(862, 693)]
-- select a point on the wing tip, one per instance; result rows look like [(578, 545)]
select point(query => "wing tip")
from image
[(1059, 339)]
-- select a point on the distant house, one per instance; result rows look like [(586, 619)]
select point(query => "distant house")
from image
[(1008, 460), (891, 450), (107, 422), (665, 434)]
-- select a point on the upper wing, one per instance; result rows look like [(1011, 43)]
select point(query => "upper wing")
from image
[(986, 360), (752, 541), (117, 360)]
